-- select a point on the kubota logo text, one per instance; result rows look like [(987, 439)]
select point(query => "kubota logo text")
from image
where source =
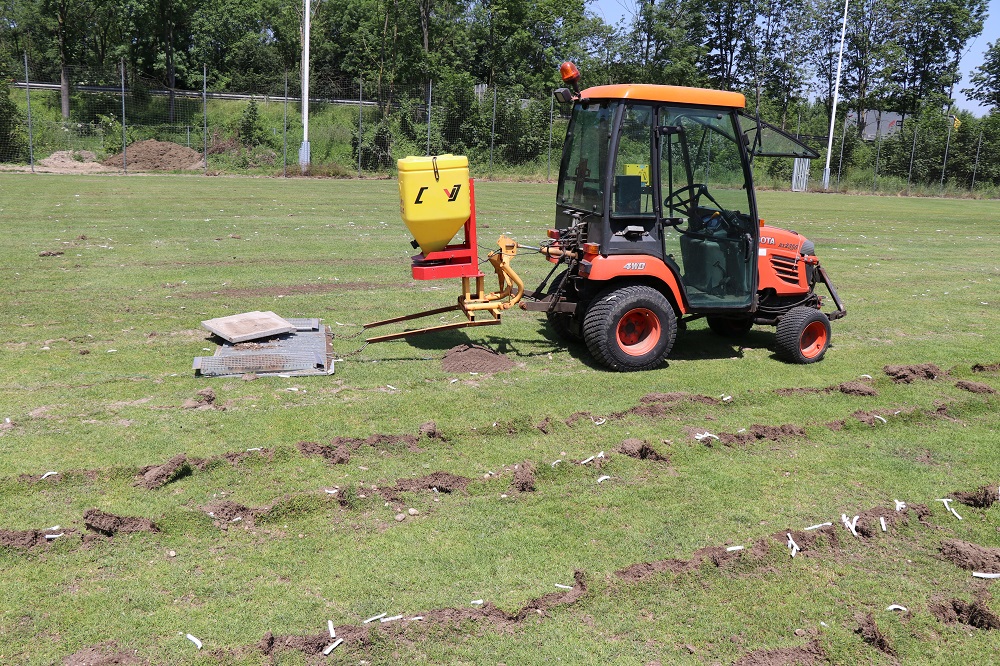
[(452, 194)]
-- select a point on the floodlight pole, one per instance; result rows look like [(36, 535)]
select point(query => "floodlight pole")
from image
[(304, 148), (836, 93)]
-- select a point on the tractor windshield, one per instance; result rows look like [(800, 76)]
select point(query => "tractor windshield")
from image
[(581, 176)]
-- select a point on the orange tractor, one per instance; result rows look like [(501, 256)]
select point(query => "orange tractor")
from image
[(656, 225)]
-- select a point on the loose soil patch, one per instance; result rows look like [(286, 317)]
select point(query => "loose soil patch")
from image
[(717, 555), (988, 367), (974, 387), (640, 449), (109, 524), (758, 432), (975, 614), (106, 654), (153, 155), (24, 539), (475, 358), (856, 388), (905, 374), (442, 481), (157, 476), (983, 498), (971, 557), (72, 161), (204, 400), (870, 634), (338, 455), (809, 654), (225, 514), (524, 477), (658, 405)]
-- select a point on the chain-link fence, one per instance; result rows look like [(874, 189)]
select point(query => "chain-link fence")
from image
[(118, 121)]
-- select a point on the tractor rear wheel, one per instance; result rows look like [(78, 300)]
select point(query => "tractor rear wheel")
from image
[(728, 327), (630, 328), (803, 335)]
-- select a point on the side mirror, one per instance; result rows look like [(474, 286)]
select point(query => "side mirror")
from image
[(563, 95)]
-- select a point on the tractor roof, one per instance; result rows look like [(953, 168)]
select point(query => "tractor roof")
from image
[(673, 94)]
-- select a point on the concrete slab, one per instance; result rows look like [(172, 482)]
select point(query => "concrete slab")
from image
[(249, 326)]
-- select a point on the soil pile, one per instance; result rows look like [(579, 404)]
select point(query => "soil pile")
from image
[(971, 557), (524, 477), (856, 388), (101, 655), (758, 432), (905, 374), (475, 358), (441, 482), (109, 524), (72, 161), (338, 455), (28, 538), (982, 498), (870, 634), (153, 155), (974, 387), (225, 513), (976, 614), (639, 448), (156, 476), (807, 655), (988, 367)]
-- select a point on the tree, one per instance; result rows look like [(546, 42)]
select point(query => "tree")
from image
[(986, 79)]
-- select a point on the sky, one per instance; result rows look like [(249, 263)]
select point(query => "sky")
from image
[(614, 10)]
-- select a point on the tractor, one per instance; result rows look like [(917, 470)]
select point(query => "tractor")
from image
[(656, 225)]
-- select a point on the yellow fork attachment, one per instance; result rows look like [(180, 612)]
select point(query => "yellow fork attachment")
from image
[(471, 302)]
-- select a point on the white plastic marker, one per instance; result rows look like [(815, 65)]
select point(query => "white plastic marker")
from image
[(47, 475), (896, 607), (732, 549), (391, 387), (899, 505), (850, 524), (584, 462), (880, 418), (333, 632), (375, 617), (391, 619), (256, 448), (556, 462), (816, 527), (330, 492), (705, 435), (881, 521), (603, 479), (564, 587), (947, 504), (867, 376), (51, 529), (416, 617), (980, 574), (792, 545), (53, 536), (476, 602), (601, 454), (194, 640), (332, 646), (600, 422)]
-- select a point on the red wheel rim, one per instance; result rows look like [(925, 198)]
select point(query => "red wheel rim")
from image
[(638, 332), (812, 342)]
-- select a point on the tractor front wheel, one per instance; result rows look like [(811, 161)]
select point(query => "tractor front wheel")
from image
[(630, 328), (803, 335)]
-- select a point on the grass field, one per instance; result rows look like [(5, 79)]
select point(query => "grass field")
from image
[(97, 347)]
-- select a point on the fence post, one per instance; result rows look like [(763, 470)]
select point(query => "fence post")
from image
[(947, 145), (124, 140), (913, 151), (493, 129), (552, 108), (976, 165), (361, 87), (204, 113), (840, 162), (284, 133), (430, 97), (27, 94), (878, 151)]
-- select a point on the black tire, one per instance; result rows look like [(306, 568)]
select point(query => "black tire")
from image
[(732, 328), (562, 323), (630, 328), (803, 335)]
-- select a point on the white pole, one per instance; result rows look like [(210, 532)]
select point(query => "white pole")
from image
[(304, 149), (836, 93)]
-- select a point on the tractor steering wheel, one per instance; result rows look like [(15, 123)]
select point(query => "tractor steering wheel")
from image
[(685, 199)]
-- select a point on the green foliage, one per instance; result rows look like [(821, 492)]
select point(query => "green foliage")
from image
[(249, 129), (111, 133), (13, 134)]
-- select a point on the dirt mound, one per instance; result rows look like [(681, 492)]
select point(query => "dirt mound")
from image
[(905, 374), (872, 418), (717, 555), (156, 476), (856, 388), (809, 654), (378, 441), (982, 498), (237, 457), (524, 477), (203, 399), (430, 431), (475, 358), (109, 524), (106, 654), (29, 538), (443, 482), (225, 513), (545, 426), (971, 557), (848, 388), (758, 432), (639, 448), (153, 155), (808, 541), (658, 405), (988, 367), (338, 455), (976, 614), (974, 387), (72, 161), (870, 634)]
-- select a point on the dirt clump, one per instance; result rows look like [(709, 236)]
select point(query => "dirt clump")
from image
[(109, 524), (640, 449), (203, 399), (718, 556), (579, 416), (658, 405), (72, 161), (441, 482), (856, 388), (430, 431), (808, 541), (335, 455), (981, 498), (225, 514), (378, 441), (24, 539), (758, 432), (51, 253), (975, 387), (475, 358), (870, 634), (987, 367), (975, 614), (156, 476), (545, 426), (905, 374), (807, 655), (871, 418), (153, 155), (970, 556), (106, 654), (524, 477)]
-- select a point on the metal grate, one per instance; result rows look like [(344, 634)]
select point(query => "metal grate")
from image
[(306, 352)]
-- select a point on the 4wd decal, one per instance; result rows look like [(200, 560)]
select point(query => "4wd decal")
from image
[(635, 266)]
